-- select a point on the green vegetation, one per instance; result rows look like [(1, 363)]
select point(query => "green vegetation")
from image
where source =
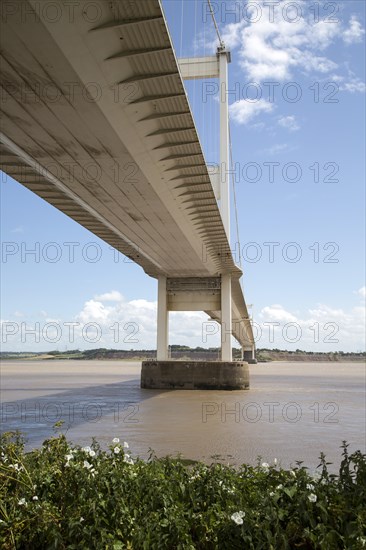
[(63, 496)]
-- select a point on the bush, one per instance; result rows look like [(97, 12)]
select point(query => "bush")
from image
[(64, 496)]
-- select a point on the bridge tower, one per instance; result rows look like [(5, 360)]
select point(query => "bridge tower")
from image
[(217, 67), (202, 294)]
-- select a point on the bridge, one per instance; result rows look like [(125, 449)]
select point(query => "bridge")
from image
[(96, 121)]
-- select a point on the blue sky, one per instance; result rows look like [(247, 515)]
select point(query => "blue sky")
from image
[(319, 137)]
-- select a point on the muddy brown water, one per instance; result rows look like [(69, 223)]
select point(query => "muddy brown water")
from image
[(293, 411)]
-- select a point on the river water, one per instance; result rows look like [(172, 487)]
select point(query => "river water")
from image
[(293, 411)]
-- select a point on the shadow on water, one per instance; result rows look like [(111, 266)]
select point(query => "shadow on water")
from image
[(35, 417)]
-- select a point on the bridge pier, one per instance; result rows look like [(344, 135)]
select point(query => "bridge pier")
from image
[(226, 318), (210, 294), (249, 355), (163, 321), (195, 375)]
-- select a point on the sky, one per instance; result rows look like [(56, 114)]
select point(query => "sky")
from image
[(297, 110)]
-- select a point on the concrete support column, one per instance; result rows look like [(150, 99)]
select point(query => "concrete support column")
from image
[(226, 318), (224, 57), (253, 352), (163, 321)]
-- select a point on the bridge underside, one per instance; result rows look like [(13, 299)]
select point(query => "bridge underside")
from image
[(95, 120)]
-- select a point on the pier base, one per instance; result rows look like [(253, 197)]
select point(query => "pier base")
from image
[(249, 357), (195, 375)]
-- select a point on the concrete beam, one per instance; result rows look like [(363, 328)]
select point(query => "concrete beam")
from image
[(192, 68)]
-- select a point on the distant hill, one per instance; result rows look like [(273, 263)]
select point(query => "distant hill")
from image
[(185, 352)]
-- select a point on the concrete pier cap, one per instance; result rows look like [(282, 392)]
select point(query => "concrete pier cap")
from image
[(195, 375)]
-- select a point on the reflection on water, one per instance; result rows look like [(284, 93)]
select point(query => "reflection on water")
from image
[(293, 411)]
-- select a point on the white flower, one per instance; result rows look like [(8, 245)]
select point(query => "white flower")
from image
[(275, 461), (312, 497), (35, 497), (272, 494), (280, 486), (128, 459), (69, 457), (115, 440), (237, 517), (16, 467), (91, 453), (362, 540), (21, 502), (2, 521), (265, 467), (293, 473), (87, 465), (126, 445), (86, 449), (81, 520), (310, 486), (116, 450)]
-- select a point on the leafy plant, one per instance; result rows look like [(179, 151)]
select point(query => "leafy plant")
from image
[(65, 496)]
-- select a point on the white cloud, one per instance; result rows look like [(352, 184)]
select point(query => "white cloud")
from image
[(289, 122), (113, 296), (231, 35), (277, 313), (244, 110), (132, 325), (19, 314), (93, 311), (322, 328), (275, 49), (354, 33), (349, 83), (18, 229), (278, 148), (362, 292), (258, 126), (354, 85)]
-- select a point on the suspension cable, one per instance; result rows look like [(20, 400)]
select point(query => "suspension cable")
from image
[(222, 45), (181, 28)]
